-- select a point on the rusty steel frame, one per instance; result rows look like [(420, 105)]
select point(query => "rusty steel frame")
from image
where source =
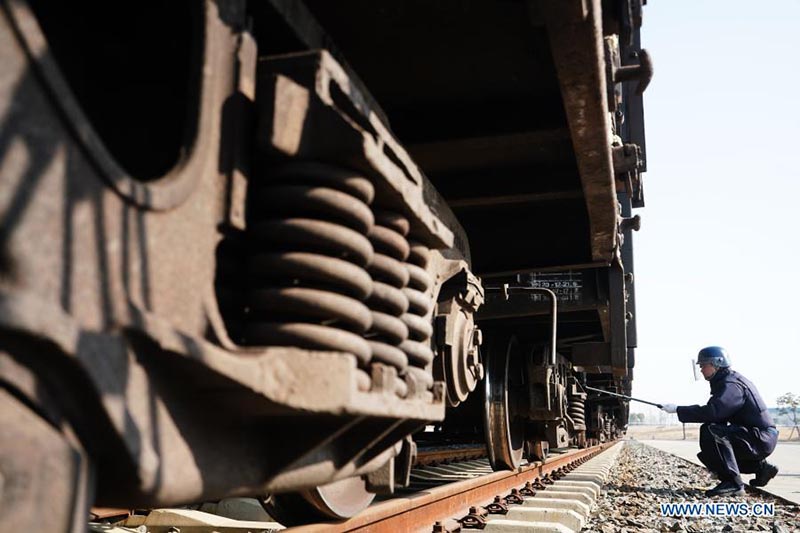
[(575, 28), (419, 511), (127, 348)]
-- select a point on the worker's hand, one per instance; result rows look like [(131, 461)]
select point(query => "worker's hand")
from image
[(669, 407)]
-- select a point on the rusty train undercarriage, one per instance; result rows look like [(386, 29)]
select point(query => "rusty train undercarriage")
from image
[(254, 248)]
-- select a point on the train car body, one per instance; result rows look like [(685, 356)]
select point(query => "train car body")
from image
[(259, 247)]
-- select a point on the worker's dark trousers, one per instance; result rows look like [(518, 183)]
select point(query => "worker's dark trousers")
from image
[(729, 450)]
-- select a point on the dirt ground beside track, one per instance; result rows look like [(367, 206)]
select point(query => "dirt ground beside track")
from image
[(644, 478), (692, 432)]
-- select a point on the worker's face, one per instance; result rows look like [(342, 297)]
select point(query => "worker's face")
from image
[(708, 370)]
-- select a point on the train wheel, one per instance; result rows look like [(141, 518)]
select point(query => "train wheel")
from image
[(337, 501), (505, 429)]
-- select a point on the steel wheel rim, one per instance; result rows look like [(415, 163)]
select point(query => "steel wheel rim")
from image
[(341, 499), (504, 431)]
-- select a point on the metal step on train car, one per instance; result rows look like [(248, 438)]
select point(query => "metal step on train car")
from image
[(269, 247)]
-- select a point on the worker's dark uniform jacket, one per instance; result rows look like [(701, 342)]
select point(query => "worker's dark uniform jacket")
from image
[(737, 431)]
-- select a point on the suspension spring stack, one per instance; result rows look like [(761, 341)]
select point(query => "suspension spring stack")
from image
[(308, 278), (419, 320), (388, 303), (577, 412)]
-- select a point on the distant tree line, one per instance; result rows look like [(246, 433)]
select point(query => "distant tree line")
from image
[(636, 418), (787, 405)]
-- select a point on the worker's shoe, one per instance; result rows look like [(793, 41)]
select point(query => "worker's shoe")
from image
[(726, 488), (766, 471)]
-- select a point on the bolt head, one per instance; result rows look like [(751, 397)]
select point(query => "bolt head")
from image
[(477, 337)]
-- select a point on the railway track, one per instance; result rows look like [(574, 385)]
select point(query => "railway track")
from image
[(556, 495), (448, 454), (476, 501)]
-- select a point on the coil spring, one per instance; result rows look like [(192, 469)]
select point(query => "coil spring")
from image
[(308, 229), (387, 302), (577, 410), (418, 317)]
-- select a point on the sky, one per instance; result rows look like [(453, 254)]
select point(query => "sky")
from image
[(717, 260)]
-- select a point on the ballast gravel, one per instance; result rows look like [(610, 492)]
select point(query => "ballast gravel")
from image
[(644, 478)]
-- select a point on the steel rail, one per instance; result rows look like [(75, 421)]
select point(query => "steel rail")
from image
[(421, 510), (429, 456)]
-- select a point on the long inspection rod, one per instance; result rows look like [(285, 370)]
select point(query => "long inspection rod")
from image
[(622, 396)]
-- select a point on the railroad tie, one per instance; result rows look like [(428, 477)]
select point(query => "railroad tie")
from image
[(562, 507)]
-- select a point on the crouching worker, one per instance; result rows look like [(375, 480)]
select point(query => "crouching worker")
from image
[(737, 434)]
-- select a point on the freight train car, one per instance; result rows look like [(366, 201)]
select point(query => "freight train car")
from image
[(270, 247)]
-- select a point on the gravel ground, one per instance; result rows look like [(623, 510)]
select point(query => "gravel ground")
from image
[(644, 478)]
